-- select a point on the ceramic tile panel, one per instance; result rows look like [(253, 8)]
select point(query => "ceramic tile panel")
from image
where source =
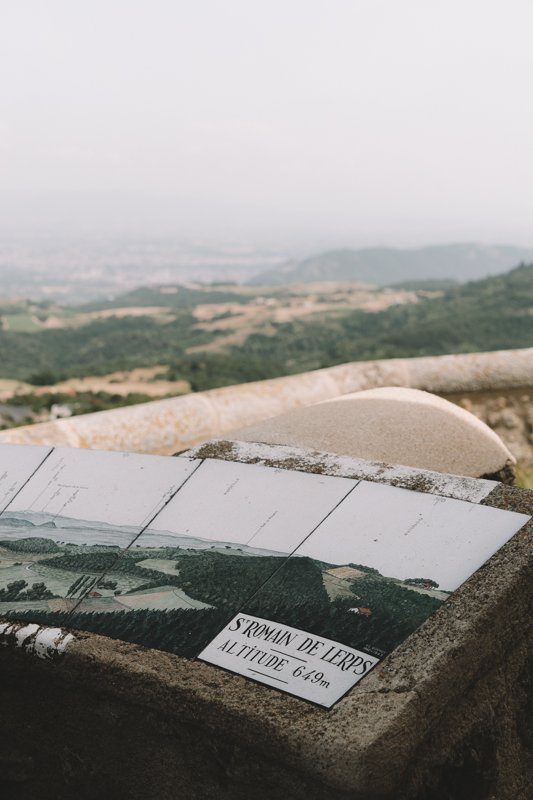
[(68, 524), (17, 465), (228, 529), (368, 576)]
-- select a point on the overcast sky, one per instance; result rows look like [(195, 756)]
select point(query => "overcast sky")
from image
[(356, 121)]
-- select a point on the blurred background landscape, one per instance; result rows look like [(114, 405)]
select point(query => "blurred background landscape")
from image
[(80, 332)]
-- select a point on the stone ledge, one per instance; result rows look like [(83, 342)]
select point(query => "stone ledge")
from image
[(458, 487), (164, 426)]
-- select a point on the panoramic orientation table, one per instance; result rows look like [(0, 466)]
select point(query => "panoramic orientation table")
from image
[(317, 626)]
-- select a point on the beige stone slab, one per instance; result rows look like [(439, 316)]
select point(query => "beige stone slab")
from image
[(167, 426), (392, 424)]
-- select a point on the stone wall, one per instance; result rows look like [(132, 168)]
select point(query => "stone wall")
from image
[(167, 426)]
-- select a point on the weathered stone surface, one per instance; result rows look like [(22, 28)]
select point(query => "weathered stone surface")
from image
[(394, 424), (444, 717), (165, 426), (297, 458)]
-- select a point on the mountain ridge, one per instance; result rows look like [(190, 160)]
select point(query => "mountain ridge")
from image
[(388, 265)]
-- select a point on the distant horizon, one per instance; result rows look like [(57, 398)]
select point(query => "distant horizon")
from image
[(240, 247), (72, 271)]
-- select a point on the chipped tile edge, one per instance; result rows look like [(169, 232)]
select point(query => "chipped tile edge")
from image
[(43, 642), (458, 487)]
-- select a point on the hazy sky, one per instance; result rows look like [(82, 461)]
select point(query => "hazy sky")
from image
[(358, 121)]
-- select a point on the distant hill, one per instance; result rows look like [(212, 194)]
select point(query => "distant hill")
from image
[(169, 296), (34, 545), (386, 265)]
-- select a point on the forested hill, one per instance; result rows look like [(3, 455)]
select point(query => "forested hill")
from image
[(386, 265), (172, 297), (491, 314)]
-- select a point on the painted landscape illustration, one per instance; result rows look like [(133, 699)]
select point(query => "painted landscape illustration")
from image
[(362, 564), (178, 596)]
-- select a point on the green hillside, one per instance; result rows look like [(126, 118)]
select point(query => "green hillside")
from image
[(491, 314), (174, 296), (97, 348), (288, 591)]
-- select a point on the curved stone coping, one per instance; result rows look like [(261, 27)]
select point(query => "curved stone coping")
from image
[(394, 423), (399, 722), (165, 426)]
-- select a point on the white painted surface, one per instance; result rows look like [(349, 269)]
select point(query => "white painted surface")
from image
[(23, 634), (112, 490), (52, 641), (247, 504), (45, 643), (17, 464), (405, 534)]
